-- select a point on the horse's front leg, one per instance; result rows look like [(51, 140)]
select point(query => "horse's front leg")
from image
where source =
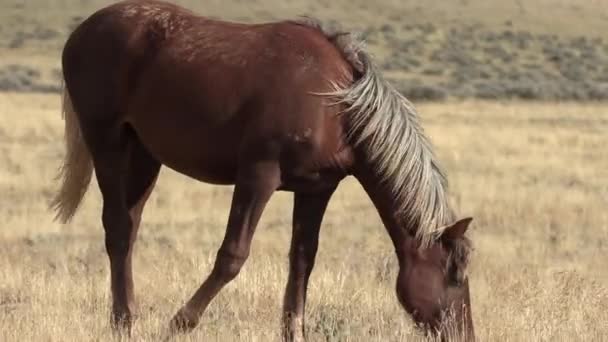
[(307, 216), (253, 189)]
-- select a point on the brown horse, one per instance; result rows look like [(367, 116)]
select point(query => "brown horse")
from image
[(284, 106)]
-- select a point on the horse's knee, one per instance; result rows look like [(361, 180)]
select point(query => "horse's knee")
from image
[(228, 265), (303, 257)]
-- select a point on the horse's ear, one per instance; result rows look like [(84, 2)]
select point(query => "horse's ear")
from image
[(457, 229)]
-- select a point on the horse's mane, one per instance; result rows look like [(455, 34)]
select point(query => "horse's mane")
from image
[(395, 144)]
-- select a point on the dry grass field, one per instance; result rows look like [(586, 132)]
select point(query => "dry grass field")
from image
[(532, 175)]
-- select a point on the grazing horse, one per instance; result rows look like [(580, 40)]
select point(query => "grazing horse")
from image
[(283, 106)]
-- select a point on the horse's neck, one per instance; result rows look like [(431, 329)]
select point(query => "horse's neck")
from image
[(385, 204)]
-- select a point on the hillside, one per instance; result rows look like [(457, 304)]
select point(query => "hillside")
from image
[(541, 49)]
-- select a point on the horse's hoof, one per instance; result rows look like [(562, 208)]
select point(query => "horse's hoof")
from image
[(294, 337), (122, 323), (183, 321)]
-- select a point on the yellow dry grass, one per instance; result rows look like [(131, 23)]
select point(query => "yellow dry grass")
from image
[(533, 176)]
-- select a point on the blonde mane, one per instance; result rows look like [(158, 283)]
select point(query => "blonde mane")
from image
[(387, 125)]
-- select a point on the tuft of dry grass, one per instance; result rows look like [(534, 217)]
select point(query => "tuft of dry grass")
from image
[(532, 175)]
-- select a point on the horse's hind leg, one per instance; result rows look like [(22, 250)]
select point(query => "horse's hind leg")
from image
[(126, 174), (308, 214), (142, 173)]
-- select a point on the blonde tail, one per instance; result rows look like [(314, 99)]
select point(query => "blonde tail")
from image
[(77, 168)]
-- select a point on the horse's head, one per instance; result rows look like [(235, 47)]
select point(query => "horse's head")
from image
[(432, 282)]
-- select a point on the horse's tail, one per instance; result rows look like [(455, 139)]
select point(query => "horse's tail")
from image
[(77, 168)]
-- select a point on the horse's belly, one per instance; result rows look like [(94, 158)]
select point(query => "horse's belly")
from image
[(207, 154), (209, 170)]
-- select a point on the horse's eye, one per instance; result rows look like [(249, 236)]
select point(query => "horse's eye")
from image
[(454, 282), (455, 278)]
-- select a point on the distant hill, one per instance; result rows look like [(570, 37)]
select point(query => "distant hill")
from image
[(432, 49)]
